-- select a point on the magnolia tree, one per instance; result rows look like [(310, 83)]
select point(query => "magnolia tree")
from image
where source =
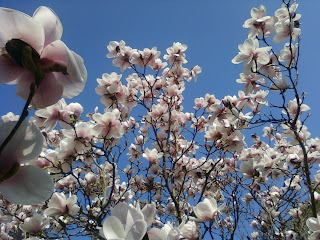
[(142, 167)]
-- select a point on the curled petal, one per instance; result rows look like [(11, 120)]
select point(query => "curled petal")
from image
[(73, 82), (50, 22)]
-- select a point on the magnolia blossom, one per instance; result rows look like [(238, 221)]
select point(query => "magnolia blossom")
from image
[(314, 226), (293, 109), (152, 155), (168, 232), (286, 29), (21, 183), (251, 82), (259, 24), (59, 205), (176, 53), (207, 210), (34, 224), (189, 230), (108, 124), (252, 55), (127, 222), (145, 57), (31, 48)]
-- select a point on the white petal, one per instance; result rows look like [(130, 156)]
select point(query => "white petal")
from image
[(25, 144), (137, 231), (50, 22), (113, 228), (30, 186), (149, 212)]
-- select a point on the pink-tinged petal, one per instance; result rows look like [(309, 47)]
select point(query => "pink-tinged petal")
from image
[(73, 83), (48, 92), (50, 22), (17, 25), (9, 70), (113, 228), (30, 186), (137, 231)]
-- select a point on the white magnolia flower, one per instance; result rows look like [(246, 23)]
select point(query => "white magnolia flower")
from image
[(60, 205), (207, 210), (127, 222)]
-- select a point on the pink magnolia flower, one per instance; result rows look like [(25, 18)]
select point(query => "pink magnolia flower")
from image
[(152, 155), (32, 46), (21, 183), (60, 205), (283, 14), (250, 51), (289, 54), (108, 124), (259, 23), (250, 82), (145, 57), (286, 29), (176, 53)]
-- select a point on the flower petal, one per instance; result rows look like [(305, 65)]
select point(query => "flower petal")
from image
[(73, 83), (9, 70), (156, 234), (50, 22), (149, 212), (30, 186), (17, 25), (113, 228), (25, 144), (48, 92), (137, 231)]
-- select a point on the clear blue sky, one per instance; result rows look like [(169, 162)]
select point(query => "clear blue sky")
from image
[(211, 29)]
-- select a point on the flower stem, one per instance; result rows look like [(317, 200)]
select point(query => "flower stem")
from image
[(23, 115)]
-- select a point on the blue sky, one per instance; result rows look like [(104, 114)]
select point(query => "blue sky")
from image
[(211, 29)]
